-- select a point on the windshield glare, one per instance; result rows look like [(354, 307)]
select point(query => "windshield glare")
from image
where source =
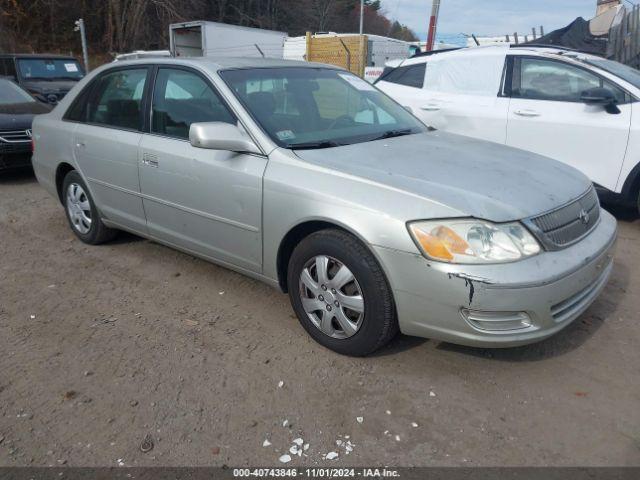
[(626, 73), (318, 107), (50, 69), (10, 94)]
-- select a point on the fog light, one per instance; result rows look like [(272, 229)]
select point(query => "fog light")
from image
[(497, 321)]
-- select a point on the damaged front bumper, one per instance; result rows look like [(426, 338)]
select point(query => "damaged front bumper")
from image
[(503, 305)]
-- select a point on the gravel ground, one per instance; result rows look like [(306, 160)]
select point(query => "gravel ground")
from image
[(101, 347)]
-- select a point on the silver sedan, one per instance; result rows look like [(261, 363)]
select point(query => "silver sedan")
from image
[(308, 178)]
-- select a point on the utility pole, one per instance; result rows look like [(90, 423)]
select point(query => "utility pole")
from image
[(433, 24), (80, 28), (361, 17)]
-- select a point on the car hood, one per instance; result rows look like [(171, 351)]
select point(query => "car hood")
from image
[(20, 115), (477, 178), (46, 86)]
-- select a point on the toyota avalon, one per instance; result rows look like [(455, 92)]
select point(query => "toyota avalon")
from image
[(310, 179)]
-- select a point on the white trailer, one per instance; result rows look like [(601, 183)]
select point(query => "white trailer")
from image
[(213, 39)]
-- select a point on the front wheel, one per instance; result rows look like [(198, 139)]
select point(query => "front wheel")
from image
[(340, 294), (82, 212)]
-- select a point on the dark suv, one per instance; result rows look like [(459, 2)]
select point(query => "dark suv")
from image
[(47, 77)]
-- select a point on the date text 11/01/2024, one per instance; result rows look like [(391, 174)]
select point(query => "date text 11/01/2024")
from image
[(316, 472)]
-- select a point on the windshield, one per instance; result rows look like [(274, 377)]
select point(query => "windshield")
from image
[(50, 69), (626, 73), (10, 93), (318, 107)]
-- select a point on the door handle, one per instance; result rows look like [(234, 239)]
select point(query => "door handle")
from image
[(527, 113), (431, 108), (150, 160)]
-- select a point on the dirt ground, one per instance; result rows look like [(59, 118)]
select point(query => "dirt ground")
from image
[(102, 346)]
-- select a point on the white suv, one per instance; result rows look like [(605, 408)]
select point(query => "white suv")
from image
[(580, 109)]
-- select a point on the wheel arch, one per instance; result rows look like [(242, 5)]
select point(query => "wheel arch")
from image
[(631, 187), (301, 231), (61, 172)]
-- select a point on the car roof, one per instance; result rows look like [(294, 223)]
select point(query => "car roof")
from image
[(226, 63), (502, 49)]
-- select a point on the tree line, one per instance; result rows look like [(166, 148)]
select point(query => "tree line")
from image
[(118, 26)]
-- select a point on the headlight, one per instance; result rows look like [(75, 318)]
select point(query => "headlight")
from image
[(473, 241)]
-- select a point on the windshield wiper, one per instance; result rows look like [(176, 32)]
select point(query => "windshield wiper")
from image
[(394, 133), (315, 145)]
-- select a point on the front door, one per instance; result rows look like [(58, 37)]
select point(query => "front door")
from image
[(206, 201), (546, 116), (106, 143)]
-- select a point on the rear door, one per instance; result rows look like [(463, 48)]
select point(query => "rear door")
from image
[(107, 139), (547, 116), (206, 201)]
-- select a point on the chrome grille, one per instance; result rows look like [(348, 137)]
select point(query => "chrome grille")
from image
[(15, 136), (567, 225)]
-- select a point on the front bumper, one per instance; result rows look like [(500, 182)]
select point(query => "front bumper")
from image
[(15, 160), (552, 288)]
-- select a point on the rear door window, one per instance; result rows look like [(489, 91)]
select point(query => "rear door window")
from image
[(409, 76), (116, 99), (182, 97)]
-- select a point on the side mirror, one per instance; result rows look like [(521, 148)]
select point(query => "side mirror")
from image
[(221, 136), (602, 97)]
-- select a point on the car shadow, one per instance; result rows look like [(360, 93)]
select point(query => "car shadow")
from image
[(18, 176), (124, 238), (568, 339), (401, 343)]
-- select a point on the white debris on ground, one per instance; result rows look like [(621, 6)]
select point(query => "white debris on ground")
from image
[(331, 456), (121, 462), (33, 317), (266, 443), (397, 438), (414, 424), (280, 384), (285, 458), (221, 293), (285, 423), (388, 412), (432, 394), (345, 444), (297, 447), (359, 419)]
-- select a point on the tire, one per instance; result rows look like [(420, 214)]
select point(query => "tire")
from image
[(364, 317), (82, 213)]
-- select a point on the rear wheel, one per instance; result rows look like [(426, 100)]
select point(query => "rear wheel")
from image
[(340, 294), (82, 213)]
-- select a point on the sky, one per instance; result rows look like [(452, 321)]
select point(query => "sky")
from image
[(489, 17)]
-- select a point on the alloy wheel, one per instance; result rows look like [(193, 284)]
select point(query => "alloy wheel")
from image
[(331, 297)]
